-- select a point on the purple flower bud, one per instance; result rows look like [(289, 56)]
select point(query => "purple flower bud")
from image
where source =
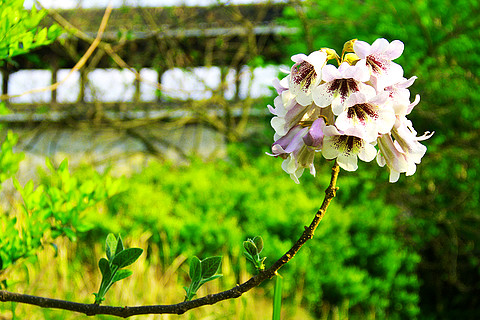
[(314, 136)]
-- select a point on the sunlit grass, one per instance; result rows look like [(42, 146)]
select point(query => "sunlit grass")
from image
[(63, 274)]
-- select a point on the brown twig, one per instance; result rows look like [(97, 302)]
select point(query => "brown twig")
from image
[(180, 308), (106, 47)]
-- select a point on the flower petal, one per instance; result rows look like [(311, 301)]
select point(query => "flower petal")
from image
[(361, 48), (322, 96), (367, 153), (330, 73), (390, 74), (304, 98), (379, 46), (314, 136), (394, 176), (394, 49), (348, 162)]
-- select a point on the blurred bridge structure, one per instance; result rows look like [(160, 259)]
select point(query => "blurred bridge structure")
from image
[(149, 42), (189, 78)]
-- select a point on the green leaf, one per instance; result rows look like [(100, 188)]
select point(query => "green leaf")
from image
[(63, 165), (120, 247), (121, 274), (127, 257), (211, 278), (195, 269), (210, 266), (104, 267), (17, 185), (110, 246), (250, 248), (49, 164), (41, 37), (87, 187), (249, 257), (258, 241), (28, 188), (53, 32)]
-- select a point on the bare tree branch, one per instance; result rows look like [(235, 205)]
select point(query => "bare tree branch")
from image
[(180, 308)]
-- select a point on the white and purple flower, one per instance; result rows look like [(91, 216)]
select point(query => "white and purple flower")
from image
[(346, 149), (346, 112), (298, 148), (399, 96), (378, 58), (306, 74), (401, 150), (340, 84), (366, 118)]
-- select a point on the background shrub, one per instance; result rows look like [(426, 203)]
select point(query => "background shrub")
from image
[(356, 260)]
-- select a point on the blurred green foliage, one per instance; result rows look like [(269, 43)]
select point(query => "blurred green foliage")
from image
[(19, 31), (440, 202), (9, 160), (356, 258), (54, 208)]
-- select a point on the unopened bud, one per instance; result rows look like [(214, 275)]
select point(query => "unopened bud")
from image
[(331, 54), (351, 58), (348, 46)]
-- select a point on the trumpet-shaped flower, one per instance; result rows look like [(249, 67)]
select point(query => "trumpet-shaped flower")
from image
[(366, 118), (291, 165), (378, 58), (290, 143), (407, 141), (389, 154), (289, 118), (346, 149), (298, 148), (306, 74), (340, 83), (399, 96), (403, 153)]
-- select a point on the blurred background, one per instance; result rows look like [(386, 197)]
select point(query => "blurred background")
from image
[(165, 131)]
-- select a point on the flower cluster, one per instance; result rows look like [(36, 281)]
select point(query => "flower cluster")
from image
[(344, 112)]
